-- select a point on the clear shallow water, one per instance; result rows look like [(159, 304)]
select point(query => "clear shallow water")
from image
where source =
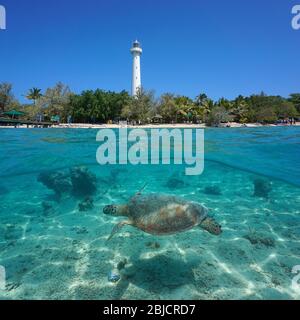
[(52, 250)]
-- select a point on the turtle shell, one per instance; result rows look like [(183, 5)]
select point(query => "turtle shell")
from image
[(164, 214)]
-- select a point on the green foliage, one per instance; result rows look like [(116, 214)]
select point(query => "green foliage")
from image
[(295, 100), (101, 106), (31, 110), (167, 108), (263, 108), (240, 110), (55, 102), (34, 94), (218, 115), (98, 106), (6, 96), (203, 106), (140, 108)]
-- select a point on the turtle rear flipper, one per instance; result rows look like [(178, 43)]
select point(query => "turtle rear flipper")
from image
[(117, 228)]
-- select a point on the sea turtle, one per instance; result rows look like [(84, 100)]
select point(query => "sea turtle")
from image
[(160, 214)]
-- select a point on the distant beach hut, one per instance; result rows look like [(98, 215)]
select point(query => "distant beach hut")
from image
[(55, 119), (14, 114), (157, 118), (39, 117)]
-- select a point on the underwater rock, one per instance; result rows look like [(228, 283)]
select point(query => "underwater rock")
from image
[(262, 188), (75, 242), (276, 281), (80, 230), (212, 190), (121, 265), (258, 238), (86, 205), (153, 245), (59, 182), (83, 182), (78, 181)]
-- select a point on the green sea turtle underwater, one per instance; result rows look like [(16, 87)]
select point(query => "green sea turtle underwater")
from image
[(160, 214)]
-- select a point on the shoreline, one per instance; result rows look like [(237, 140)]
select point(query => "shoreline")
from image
[(154, 126)]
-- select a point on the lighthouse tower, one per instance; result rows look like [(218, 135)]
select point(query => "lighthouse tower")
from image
[(136, 52)]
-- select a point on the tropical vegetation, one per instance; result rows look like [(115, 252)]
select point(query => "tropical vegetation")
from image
[(99, 106)]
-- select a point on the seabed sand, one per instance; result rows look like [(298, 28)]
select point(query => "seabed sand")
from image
[(157, 126), (62, 254)]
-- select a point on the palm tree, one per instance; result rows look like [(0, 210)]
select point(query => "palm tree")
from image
[(206, 109), (239, 109), (225, 103), (205, 105), (200, 99), (34, 94)]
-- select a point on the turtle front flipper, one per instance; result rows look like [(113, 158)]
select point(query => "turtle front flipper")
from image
[(117, 228)]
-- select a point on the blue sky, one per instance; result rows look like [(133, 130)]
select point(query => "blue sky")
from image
[(223, 48)]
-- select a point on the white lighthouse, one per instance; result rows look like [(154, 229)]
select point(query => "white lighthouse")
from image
[(136, 52)]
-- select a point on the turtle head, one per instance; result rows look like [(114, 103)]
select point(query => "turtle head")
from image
[(204, 220), (113, 210), (110, 210), (209, 224)]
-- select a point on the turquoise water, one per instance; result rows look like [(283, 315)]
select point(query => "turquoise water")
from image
[(53, 245)]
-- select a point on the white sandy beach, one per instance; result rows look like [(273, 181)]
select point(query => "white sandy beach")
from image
[(148, 126)]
